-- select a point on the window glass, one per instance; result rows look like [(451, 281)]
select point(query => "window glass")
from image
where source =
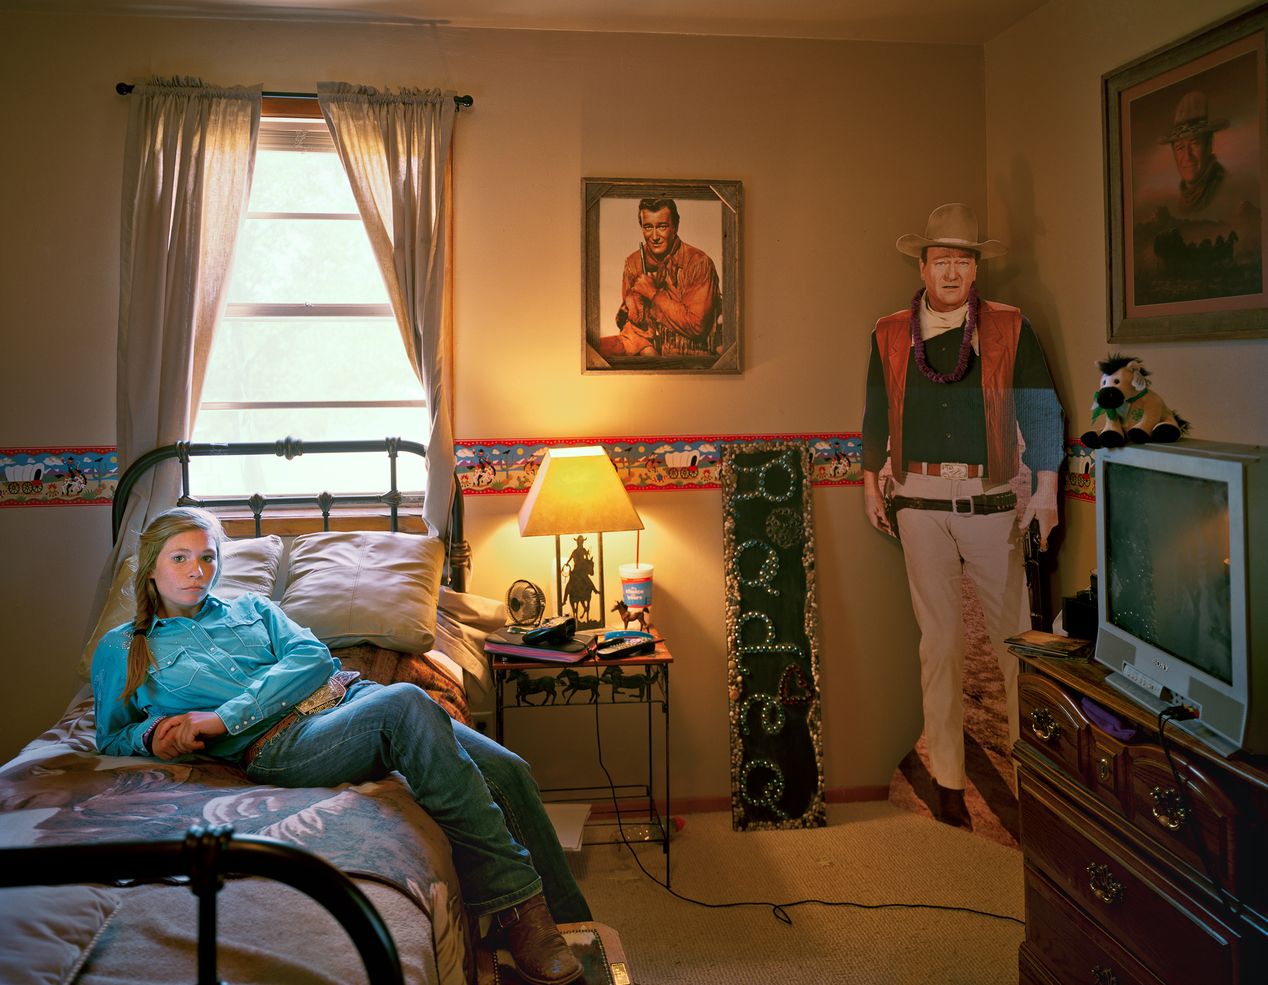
[(307, 346)]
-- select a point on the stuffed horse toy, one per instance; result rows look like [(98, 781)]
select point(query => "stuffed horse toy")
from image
[(1125, 408)]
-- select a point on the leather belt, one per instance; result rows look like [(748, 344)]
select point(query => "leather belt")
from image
[(962, 505), (326, 696), (948, 470)]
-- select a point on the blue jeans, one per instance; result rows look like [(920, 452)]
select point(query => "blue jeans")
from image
[(481, 795)]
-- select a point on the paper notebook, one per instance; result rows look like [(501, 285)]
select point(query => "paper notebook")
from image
[(507, 643)]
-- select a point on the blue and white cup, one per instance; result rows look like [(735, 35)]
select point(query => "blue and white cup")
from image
[(636, 585)]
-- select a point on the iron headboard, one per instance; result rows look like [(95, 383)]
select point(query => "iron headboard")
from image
[(458, 552)]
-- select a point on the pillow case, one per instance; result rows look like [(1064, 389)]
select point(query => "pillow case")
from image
[(248, 565), (366, 587), (463, 621), (50, 930)]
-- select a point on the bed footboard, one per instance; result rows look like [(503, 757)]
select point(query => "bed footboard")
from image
[(206, 856)]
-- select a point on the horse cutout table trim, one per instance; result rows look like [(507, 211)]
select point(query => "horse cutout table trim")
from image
[(772, 637)]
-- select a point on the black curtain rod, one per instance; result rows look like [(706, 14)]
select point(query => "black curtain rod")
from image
[(462, 102)]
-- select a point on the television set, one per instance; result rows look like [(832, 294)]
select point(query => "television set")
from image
[(1182, 580)]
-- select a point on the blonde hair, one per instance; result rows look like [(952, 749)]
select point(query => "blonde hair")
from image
[(162, 528)]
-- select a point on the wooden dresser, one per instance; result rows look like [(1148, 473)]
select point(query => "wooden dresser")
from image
[(1132, 878)]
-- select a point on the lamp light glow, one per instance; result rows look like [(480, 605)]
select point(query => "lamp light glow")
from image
[(577, 491)]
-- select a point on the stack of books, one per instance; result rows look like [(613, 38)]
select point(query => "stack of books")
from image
[(1036, 643), (509, 643)]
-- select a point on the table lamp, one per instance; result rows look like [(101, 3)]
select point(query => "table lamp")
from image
[(576, 491)]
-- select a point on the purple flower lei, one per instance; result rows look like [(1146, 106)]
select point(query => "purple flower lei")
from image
[(966, 343)]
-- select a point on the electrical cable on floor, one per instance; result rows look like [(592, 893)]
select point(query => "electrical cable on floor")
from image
[(778, 910)]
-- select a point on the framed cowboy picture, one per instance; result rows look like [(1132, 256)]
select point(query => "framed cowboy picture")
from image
[(660, 269), (1186, 137)]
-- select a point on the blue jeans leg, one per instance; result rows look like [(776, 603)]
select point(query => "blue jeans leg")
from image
[(511, 782), (399, 727)]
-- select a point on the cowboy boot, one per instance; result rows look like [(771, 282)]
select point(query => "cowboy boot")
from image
[(951, 808), (541, 955)]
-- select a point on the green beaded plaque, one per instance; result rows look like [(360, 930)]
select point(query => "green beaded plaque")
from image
[(772, 630)]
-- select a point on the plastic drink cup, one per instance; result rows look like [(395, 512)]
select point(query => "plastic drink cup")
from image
[(636, 585)]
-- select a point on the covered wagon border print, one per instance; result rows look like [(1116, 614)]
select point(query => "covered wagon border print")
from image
[(58, 476)]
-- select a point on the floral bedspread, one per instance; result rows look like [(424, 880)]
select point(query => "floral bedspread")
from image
[(59, 791)]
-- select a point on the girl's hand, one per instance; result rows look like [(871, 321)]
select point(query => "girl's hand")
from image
[(182, 734)]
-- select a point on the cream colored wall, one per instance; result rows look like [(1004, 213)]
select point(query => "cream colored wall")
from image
[(1046, 193), (832, 143)]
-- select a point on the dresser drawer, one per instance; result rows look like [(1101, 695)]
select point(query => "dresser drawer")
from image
[(1052, 723), (1071, 949), (1169, 932), (1202, 820)]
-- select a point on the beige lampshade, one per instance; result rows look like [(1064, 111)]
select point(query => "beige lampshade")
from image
[(577, 491)]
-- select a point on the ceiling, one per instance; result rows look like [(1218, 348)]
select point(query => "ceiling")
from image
[(924, 21)]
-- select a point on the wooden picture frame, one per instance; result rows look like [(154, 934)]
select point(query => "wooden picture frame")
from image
[(643, 312), (1186, 159)]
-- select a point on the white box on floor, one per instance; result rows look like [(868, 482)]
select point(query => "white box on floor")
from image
[(570, 822)]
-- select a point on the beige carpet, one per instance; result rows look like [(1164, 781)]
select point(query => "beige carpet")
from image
[(869, 853)]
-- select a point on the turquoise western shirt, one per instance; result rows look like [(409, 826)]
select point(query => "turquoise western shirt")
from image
[(244, 660)]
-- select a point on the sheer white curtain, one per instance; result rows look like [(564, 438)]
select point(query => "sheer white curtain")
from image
[(395, 147), (187, 174)]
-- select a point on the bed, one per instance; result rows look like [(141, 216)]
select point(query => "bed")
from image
[(389, 603)]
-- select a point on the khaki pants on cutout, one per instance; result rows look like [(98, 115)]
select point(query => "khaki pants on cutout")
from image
[(935, 544)]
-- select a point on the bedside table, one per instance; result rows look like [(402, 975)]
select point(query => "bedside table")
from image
[(520, 685)]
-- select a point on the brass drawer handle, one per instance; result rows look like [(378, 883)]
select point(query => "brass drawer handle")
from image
[(1044, 725), (1103, 769), (1104, 976), (1168, 809), (1103, 884)]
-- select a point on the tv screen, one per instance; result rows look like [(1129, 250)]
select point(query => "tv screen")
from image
[(1167, 555)]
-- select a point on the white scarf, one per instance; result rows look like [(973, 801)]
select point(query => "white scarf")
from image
[(934, 323)]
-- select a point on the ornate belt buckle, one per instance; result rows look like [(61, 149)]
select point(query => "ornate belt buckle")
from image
[(329, 694), (954, 470)]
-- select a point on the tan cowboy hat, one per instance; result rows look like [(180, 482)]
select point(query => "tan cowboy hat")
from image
[(1192, 119), (953, 225)]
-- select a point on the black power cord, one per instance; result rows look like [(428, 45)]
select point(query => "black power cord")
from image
[(1182, 713), (778, 910)]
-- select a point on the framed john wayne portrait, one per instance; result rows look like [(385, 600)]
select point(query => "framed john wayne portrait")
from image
[(1186, 138), (661, 275)]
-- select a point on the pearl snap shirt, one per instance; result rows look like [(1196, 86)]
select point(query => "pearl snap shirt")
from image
[(243, 659)]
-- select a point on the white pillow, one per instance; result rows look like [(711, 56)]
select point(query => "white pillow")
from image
[(245, 566), (366, 587), (248, 565), (50, 930), (463, 620)]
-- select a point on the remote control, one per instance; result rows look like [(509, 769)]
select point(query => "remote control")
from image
[(555, 630), (618, 648)]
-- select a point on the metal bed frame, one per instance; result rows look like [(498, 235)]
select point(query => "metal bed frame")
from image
[(457, 550), (207, 855)]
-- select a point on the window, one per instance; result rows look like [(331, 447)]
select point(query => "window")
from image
[(307, 346)]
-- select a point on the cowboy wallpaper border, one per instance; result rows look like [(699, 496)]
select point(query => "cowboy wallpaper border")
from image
[(86, 476), (63, 476), (654, 301), (1186, 179), (666, 462)]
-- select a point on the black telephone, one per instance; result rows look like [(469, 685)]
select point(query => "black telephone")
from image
[(552, 631)]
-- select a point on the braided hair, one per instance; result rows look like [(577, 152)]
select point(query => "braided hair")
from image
[(162, 528)]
